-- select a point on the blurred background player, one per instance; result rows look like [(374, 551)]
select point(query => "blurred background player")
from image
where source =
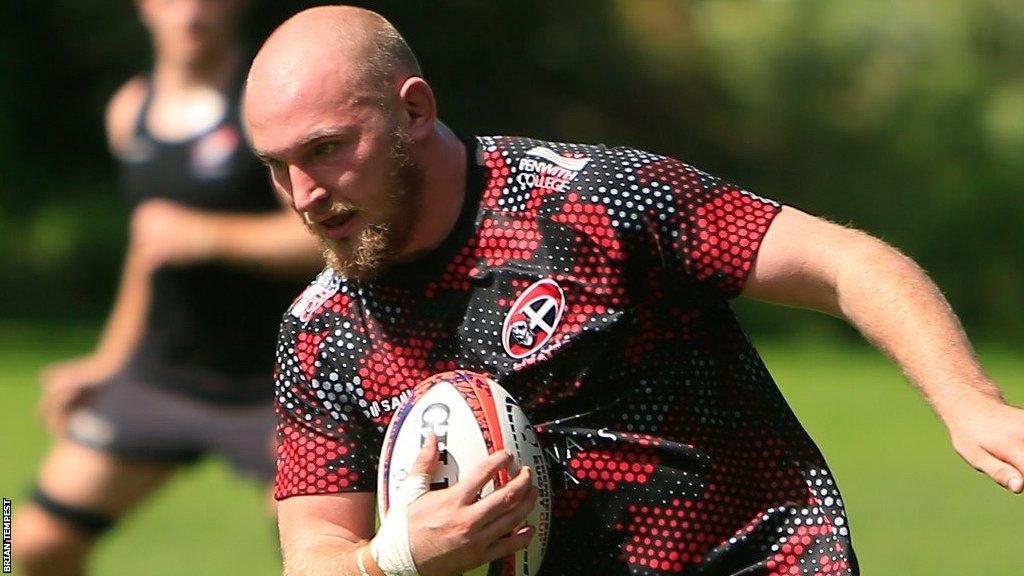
[(183, 367)]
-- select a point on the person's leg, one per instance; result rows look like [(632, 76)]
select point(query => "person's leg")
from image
[(118, 448), (246, 437), (80, 492)]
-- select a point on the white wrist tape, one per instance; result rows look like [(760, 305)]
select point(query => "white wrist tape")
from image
[(361, 564), (390, 547)]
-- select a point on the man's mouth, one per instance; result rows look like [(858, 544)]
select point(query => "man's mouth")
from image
[(338, 226)]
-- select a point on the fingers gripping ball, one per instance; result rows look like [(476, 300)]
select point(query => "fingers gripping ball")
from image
[(471, 416)]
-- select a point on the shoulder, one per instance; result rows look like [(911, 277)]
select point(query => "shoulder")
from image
[(569, 159), (329, 292), (623, 179), (123, 110), (556, 152), (596, 172), (526, 167)]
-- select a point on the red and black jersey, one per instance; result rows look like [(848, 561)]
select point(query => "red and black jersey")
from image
[(593, 284)]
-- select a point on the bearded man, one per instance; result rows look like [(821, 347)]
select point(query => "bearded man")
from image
[(671, 448)]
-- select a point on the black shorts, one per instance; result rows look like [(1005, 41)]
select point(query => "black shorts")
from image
[(134, 420)]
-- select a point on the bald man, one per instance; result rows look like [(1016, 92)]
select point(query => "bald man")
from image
[(592, 283)]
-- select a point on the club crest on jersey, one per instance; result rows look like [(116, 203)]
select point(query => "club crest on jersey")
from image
[(325, 286), (532, 320), (544, 168)]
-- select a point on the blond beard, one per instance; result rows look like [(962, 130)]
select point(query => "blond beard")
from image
[(372, 251), (367, 254)]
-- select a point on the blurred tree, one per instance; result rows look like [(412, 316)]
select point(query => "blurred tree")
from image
[(906, 118)]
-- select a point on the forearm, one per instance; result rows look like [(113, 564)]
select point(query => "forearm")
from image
[(277, 240), (894, 304), (329, 558), (128, 315), (808, 262), (169, 233)]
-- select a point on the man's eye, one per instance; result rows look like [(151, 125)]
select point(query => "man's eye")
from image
[(272, 163), (325, 148)]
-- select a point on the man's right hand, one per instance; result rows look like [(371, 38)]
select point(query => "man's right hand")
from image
[(65, 385), (453, 530)]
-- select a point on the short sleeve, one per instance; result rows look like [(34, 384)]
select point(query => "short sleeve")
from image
[(324, 445), (708, 231)]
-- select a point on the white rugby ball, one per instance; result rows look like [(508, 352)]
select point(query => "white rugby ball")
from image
[(472, 416)]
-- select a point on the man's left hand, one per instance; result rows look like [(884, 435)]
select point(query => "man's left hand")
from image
[(989, 435)]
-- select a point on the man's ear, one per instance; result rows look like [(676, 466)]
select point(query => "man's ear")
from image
[(417, 102)]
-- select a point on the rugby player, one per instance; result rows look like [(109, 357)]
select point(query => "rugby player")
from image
[(184, 365), (593, 283)]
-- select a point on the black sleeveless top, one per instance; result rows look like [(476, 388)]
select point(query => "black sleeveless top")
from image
[(211, 326)]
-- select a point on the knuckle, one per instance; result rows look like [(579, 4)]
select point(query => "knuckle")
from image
[(1004, 473), (968, 450), (470, 527), (509, 499), (525, 508), (524, 488), (464, 535)]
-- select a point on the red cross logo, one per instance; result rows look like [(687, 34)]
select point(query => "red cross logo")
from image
[(533, 318)]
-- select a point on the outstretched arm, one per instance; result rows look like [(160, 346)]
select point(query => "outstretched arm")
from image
[(65, 383), (167, 232), (810, 263)]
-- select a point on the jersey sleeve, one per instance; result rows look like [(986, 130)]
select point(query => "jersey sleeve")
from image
[(325, 446), (707, 230)]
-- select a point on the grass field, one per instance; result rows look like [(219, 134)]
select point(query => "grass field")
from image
[(915, 508)]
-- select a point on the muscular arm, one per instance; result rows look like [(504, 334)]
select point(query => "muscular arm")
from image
[(65, 382), (321, 534), (810, 263)]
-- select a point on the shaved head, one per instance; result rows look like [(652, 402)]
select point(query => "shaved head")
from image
[(337, 109), (359, 45)]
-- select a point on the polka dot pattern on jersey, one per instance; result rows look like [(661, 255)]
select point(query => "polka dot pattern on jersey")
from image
[(593, 284)]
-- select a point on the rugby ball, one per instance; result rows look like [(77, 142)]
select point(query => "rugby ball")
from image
[(472, 416)]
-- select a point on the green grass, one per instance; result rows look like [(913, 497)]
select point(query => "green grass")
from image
[(204, 521), (915, 508)]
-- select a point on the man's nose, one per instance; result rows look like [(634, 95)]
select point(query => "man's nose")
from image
[(306, 191)]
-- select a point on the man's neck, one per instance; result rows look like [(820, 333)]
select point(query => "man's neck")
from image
[(445, 163)]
